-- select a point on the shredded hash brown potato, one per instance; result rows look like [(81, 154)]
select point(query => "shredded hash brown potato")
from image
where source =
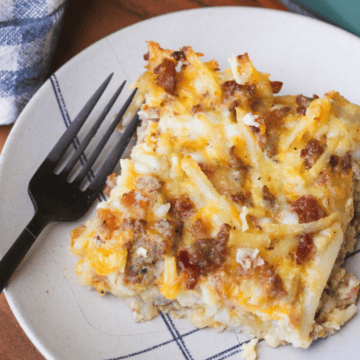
[(236, 208)]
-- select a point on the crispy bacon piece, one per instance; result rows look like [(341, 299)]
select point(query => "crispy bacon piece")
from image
[(182, 207), (166, 76), (311, 153), (305, 249), (308, 209), (276, 86)]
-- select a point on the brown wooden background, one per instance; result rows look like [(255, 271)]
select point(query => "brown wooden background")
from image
[(86, 22)]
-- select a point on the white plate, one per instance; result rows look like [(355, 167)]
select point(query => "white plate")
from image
[(68, 321)]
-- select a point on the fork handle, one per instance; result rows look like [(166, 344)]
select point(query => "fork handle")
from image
[(19, 249)]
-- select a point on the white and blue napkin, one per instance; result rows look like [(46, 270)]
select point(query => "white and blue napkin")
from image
[(29, 31)]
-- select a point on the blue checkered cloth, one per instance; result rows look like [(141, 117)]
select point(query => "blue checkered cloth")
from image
[(29, 31)]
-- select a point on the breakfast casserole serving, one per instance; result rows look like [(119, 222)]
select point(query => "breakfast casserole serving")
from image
[(236, 208)]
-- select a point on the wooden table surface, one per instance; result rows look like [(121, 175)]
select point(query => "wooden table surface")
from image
[(86, 22)]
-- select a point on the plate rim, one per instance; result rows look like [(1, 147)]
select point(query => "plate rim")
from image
[(22, 119)]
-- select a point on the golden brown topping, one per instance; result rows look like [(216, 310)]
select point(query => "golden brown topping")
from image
[(166, 76), (200, 228), (311, 153), (108, 220), (276, 86), (134, 198), (268, 197), (305, 250), (182, 207), (308, 209)]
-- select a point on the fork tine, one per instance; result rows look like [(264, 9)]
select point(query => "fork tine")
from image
[(113, 158), (75, 157), (83, 172), (64, 142)]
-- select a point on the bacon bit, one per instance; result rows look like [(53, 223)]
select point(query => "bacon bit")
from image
[(155, 119), (268, 197), (190, 269), (311, 153), (110, 184), (200, 228), (108, 220), (345, 164), (305, 250), (129, 199), (147, 56), (276, 86), (301, 110), (178, 56), (308, 209), (182, 207), (166, 76)]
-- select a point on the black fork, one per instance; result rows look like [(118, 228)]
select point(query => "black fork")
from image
[(57, 199)]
